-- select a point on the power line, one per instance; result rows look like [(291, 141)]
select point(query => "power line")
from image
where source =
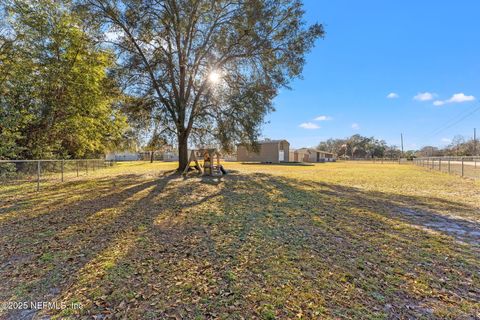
[(456, 120), (449, 121), (459, 120)]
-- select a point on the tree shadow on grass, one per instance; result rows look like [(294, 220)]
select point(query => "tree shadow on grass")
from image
[(61, 194), (248, 246), (353, 232), (46, 248), (430, 213)]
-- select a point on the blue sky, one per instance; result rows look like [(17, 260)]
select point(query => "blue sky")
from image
[(374, 48)]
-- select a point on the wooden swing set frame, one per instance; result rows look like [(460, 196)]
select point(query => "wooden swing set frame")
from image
[(212, 169)]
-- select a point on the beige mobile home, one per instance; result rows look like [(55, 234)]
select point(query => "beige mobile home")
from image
[(312, 155), (271, 151)]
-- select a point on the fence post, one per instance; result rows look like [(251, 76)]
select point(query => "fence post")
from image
[(76, 165), (86, 166), (462, 167), (448, 165), (38, 175), (440, 165), (63, 164)]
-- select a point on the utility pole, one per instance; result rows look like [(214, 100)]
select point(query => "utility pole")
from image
[(474, 141), (401, 138)]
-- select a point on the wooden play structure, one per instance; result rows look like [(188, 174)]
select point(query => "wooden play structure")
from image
[(211, 162)]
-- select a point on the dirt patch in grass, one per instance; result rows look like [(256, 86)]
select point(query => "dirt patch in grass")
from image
[(263, 243), (461, 229)]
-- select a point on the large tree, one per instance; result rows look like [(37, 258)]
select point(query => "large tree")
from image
[(206, 69), (57, 99)]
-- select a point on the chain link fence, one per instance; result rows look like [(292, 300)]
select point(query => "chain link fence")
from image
[(462, 166), (38, 171)]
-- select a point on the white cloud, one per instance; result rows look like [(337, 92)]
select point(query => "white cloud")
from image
[(456, 98), (460, 97), (425, 96), (393, 95), (309, 126), (446, 140), (355, 126), (323, 118)]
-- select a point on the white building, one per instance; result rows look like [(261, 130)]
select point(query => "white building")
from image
[(122, 156)]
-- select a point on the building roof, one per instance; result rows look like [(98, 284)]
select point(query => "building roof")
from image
[(310, 150), (269, 142)]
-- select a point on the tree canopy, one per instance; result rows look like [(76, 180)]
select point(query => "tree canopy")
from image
[(358, 146), (206, 70), (459, 146), (56, 96)]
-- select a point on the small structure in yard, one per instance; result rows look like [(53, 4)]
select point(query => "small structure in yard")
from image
[(122, 156), (312, 155), (159, 155), (270, 151), (211, 162), (169, 156)]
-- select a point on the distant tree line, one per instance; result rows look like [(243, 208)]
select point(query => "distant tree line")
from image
[(358, 146), (459, 146)]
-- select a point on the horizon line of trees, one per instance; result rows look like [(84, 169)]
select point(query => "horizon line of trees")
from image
[(358, 146), (459, 146)]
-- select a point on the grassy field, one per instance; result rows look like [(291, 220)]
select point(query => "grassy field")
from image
[(327, 241)]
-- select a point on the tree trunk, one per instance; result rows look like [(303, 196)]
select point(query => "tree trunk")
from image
[(151, 156), (182, 153)]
